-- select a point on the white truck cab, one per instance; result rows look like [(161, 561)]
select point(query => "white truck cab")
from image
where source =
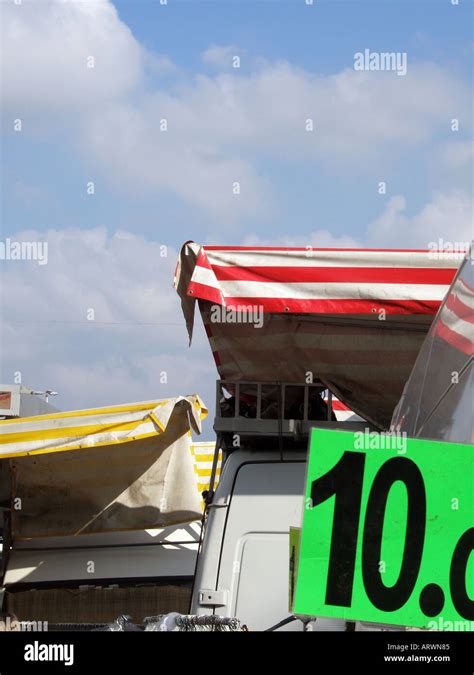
[(244, 563)]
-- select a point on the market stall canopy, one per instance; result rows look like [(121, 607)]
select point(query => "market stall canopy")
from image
[(126, 467), (438, 398), (353, 318)]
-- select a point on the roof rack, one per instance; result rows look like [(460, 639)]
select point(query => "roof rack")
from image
[(273, 409)]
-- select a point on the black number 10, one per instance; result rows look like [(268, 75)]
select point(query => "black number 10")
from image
[(345, 481)]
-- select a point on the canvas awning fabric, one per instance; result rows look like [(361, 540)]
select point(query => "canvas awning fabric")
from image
[(440, 386), (353, 318), (456, 318), (123, 467)]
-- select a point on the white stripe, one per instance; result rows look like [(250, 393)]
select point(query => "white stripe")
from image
[(89, 440), (319, 291), (205, 276), (66, 423), (332, 291), (456, 324), (205, 465), (465, 295), (332, 259), (343, 415)]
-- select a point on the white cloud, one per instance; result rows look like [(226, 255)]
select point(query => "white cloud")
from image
[(448, 216), (176, 160), (47, 46), (116, 380), (214, 123), (159, 64), (137, 333), (457, 154), (356, 115), (317, 238), (221, 128), (220, 57), (121, 276)]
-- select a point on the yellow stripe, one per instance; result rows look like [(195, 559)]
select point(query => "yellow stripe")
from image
[(74, 447), (39, 434), (206, 458), (84, 413), (202, 410), (157, 421), (207, 472)]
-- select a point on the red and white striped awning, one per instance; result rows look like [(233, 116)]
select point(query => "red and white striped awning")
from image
[(354, 318), (456, 321), (341, 410), (437, 400)]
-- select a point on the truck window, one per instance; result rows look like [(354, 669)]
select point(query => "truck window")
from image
[(266, 500)]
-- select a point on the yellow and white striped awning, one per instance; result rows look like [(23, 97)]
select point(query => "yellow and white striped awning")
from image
[(130, 467), (203, 453), (94, 427)]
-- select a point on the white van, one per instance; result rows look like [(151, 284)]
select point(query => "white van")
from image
[(244, 564), (243, 567)]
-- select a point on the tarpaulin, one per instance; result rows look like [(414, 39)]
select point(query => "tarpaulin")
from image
[(123, 467), (353, 318), (438, 398)]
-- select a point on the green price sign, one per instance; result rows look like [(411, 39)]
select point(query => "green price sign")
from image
[(388, 531)]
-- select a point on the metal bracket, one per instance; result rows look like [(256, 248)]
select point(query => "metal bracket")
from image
[(208, 598)]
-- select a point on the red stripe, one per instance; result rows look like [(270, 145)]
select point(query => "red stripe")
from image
[(346, 306), (397, 275), (203, 260), (205, 292), (456, 340), (458, 307), (466, 285), (339, 405)]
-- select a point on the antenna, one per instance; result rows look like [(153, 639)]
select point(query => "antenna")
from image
[(46, 394)]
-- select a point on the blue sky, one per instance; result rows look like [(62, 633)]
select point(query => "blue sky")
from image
[(321, 39), (225, 124)]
